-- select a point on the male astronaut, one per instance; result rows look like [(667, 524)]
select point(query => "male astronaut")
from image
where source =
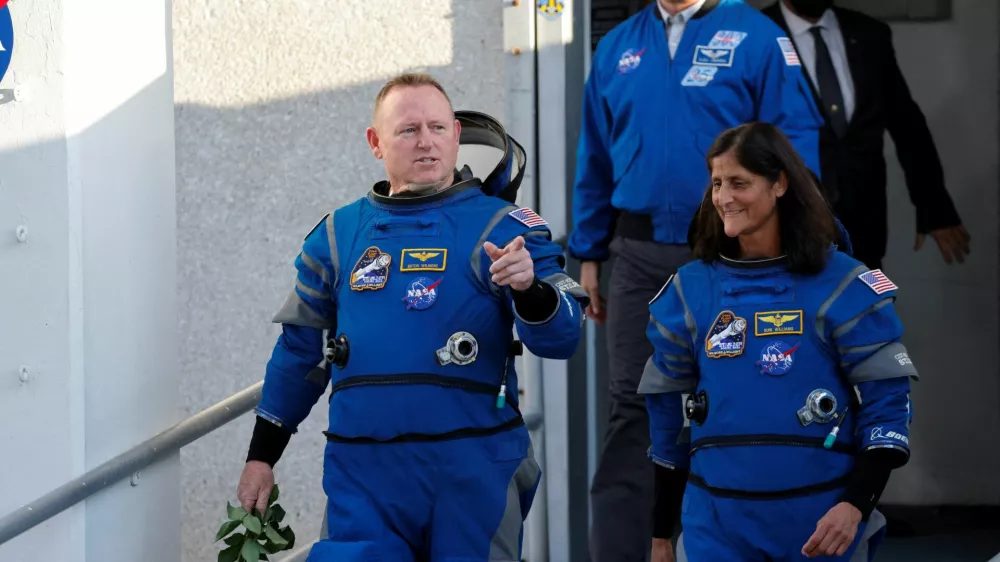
[(418, 285)]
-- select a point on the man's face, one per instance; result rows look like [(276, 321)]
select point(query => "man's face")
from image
[(416, 133)]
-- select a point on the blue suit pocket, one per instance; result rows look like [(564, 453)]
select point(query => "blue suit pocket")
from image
[(428, 225)]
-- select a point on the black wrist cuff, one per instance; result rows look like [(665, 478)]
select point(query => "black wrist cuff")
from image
[(869, 478), (669, 492), (537, 302), (268, 442)]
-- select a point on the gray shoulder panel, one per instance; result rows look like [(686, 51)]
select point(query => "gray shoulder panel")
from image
[(889, 362), (296, 311), (655, 382)]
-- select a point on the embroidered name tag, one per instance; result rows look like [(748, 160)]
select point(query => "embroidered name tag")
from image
[(423, 259)]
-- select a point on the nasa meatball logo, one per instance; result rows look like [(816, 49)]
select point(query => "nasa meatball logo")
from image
[(421, 293), (6, 38), (776, 358), (630, 60)]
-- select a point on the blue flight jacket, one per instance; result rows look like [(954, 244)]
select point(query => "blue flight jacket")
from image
[(648, 121), (397, 277), (759, 341)]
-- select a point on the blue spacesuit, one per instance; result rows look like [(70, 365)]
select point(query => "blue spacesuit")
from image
[(787, 379), (649, 120), (427, 457)]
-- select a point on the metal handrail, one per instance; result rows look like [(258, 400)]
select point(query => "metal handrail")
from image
[(127, 463), (142, 455)]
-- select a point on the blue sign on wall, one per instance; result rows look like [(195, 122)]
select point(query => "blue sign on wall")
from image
[(6, 38)]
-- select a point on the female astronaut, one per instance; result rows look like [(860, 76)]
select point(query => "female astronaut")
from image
[(783, 353)]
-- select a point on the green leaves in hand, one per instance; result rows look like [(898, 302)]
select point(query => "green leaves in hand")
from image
[(235, 512), (227, 527), (262, 535), (252, 524)]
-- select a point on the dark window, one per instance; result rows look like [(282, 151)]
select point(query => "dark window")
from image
[(606, 14)]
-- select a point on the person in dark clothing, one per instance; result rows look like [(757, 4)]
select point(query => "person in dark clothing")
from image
[(860, 90)]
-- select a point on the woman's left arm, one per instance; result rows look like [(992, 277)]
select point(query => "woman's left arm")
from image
[(860, 323), (862, 326)]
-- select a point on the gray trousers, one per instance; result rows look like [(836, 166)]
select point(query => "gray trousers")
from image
[(621, 494)]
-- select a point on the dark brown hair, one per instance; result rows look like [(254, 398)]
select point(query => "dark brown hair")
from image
[(806, 223)]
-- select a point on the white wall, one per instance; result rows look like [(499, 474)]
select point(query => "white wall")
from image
[(43, 436), (950, 312), (89, 299), (271, 106)]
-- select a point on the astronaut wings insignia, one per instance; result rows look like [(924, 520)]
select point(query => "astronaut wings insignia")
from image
[(423, 259), (713, 56), (778, 322)]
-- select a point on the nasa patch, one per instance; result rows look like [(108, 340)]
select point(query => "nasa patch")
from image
[(372, 270), (421, 293), (699, 76), (776, 358), (724, 38), (727, 338), (630, 60), (6, 38), (718, 56)]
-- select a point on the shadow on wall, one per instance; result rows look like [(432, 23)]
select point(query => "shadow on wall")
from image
[(251, 183), (94, 272)]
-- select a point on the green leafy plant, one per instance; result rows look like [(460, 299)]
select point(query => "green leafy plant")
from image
[(261, 537)]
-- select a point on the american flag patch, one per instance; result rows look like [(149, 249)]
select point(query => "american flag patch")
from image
[(788, 49), (527, 217), (877, 281)]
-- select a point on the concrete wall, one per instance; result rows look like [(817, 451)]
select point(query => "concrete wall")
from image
[(271, 106), (950, 312), (88, 362)]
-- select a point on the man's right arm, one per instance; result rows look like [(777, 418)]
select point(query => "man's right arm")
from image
[(293, 381), (593, 214)]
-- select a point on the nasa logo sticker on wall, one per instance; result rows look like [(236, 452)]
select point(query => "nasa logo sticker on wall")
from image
[(6, 38)]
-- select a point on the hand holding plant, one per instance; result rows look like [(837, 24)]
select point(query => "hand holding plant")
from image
[(261, 537)]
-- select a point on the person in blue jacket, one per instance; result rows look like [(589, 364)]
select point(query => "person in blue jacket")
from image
[(418, 287), (662, 86), (778, 388)]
